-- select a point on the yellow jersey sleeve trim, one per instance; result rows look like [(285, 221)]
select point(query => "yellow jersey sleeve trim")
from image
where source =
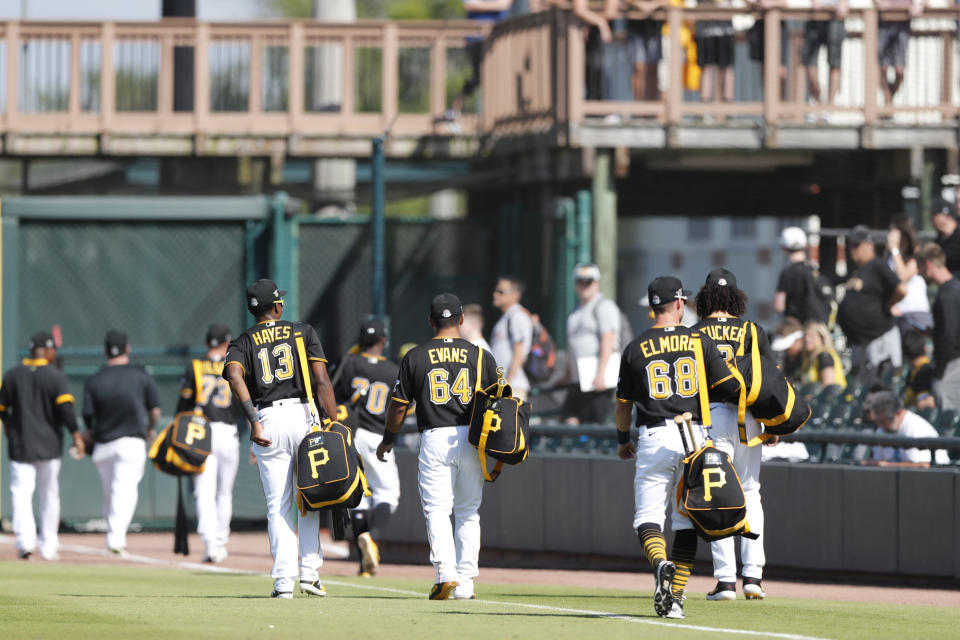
[(396, 399), (721, 381), (317, 359), (3, 407), (186, 393), (624, 401), (238, 364), (64, 398)]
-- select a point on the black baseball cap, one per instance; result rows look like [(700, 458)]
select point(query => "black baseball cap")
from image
[(263, 294), (115, 343), (41, 340), (218, 334), (445, 305), (373, 328), (941, 206), (666, 289), (721, 277), (858, 235)]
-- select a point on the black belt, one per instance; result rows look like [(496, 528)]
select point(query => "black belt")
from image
[(281, 402)]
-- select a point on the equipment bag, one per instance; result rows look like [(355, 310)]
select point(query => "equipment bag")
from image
[(499, 424), (183, 445), (709, 492), (329, 468)]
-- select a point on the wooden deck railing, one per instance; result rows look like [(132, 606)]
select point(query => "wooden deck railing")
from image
[(247, 78), (534, 75)]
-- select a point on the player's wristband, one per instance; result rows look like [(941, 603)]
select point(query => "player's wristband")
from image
[(389, 437), (623, 437), (250, 411)]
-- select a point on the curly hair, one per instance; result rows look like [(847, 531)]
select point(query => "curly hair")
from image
[(714, 298)]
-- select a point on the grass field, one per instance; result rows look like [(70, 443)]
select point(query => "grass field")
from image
[(76, 602)]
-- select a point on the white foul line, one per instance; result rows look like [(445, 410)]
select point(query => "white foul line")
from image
[(193, 566)]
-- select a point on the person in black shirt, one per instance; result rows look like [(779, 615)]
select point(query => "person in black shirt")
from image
[(864, 314), (720, 306), (35, 406), (663, 373), (441, 376), (946, 325), (263, 366), (366, 379), (120, 408), (796, 295), (943, 216), (204, 389)]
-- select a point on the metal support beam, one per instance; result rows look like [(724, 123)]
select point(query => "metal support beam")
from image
[(584, 227), (378, 229)]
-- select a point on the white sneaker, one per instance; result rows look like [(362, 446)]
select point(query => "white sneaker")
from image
[(283, 595), (315, 588), (676, 610), (662, 594), (723, 591), (753, 589), (463, 592)]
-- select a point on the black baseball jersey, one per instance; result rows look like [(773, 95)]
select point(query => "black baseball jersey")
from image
[(203, 386), (662, 373), (267, 353), (116, 400), (440, 376), (733, 337), (363, 384), (35, 401)]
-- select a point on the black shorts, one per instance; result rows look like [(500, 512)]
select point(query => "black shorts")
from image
[(756, 38), (823, 33), (715, 50)]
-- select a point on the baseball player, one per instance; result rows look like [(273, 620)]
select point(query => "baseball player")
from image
[(204, 388), (720, 305), (121, 407), (263, 366), (665, 372), (366, 380), (35, 402), (441, 376)]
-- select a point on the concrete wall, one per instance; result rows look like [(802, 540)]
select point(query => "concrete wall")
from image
[(818, 517)]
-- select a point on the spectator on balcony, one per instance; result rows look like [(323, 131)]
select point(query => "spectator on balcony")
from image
[(597, 33), (788, 341), (821, 362), (918, 393), (892, 39), (884, 408), (715, 48), (864, 314), (829, 34), (946, 325), (914, 309), (756, 39), (943, 216), (644, 44)]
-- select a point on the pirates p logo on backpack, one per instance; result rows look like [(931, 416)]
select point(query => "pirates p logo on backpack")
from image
[(329, 470), (499, 425), (183, 445)]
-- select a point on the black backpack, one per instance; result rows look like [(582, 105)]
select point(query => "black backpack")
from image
[(329, 470), (710, 493), (181, 449), (542, 358), (499, 424)]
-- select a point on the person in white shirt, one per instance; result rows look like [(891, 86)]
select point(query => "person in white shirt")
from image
[(914, 309), (472, 328), (886, 410), (512, 335)]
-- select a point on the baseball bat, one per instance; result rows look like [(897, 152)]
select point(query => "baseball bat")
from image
[(679, 419)]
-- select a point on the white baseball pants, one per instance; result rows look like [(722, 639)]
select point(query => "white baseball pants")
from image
[(120, 465), (383, 477), (451, 482), (213, 489), (42, 476), (659, 469), (285, 423), (746, 460)]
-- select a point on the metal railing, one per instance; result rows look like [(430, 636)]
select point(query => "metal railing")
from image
[(267, 78)]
